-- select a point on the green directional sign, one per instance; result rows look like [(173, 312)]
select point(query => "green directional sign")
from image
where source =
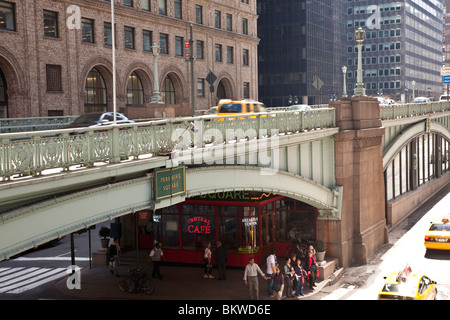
[(170, 182)]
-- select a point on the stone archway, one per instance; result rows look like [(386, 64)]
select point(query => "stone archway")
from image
[(104, 67), (14, 86), (224, 89)]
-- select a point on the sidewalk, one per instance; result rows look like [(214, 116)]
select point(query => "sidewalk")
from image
[(178, 283)]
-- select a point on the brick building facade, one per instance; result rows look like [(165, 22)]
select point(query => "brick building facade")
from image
[(56, 56)]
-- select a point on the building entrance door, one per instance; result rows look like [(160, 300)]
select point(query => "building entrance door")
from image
[(267, 234)]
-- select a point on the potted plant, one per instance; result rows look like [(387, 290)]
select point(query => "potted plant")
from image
[(104, 233), (320, 249)]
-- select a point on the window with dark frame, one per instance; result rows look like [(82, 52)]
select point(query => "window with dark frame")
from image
[(50, 24), (162, 7), (179, 45), (146, 5), (200, 46), (198, 14), (178, 9), (218, 52), (87, 30), (129, 37), (147, 40), (54, 82), (245, 57), (7, 16), (164, 43)]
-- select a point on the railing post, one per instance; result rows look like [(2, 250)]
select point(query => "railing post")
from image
[(115, 145)]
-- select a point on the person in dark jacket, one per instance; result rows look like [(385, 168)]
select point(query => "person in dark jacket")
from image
[(278, 284), (221, 259)]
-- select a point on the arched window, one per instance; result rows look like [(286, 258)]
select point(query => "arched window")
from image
[(3, 97), (135, 93), (95, 99), (168, 91)]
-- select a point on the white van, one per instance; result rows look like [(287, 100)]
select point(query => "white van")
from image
[(444, 97)]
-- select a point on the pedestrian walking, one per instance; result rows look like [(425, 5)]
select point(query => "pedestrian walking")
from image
[(278, 284), (114, 253), (313, 269), (207, 260), (289, 278), (221, 259), (251, 278), (270, 272), (155, 257)]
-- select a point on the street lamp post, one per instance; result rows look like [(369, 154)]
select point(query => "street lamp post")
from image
[(360, 91), (113, 61), (156, 98), (344, 73)]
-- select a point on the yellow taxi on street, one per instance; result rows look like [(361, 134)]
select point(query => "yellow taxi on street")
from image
[(438, 235), (407, 286), (236, 107)]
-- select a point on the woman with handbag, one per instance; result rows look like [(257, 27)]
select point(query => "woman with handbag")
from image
[(313, 269)]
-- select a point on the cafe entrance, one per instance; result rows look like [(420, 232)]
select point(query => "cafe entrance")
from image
[(248, 224)]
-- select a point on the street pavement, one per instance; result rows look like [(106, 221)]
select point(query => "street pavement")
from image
[(180, 282)]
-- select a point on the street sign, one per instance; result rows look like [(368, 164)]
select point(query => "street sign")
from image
[(446, 79), (170, 182), (445, 71), (211, 78)]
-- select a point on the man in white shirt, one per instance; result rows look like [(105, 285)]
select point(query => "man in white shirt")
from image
[(271, 264), (251, 278)]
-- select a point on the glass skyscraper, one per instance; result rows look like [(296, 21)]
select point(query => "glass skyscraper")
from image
[(402, 52), (302, 50), (305, 43)]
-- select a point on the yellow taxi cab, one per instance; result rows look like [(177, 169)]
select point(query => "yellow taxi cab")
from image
[(236, 107), (409, 286), (438, 235)]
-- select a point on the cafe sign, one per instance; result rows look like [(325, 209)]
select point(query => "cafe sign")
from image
[(170, 182)]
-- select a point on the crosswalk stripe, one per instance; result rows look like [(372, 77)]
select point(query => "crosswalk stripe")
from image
[(50, 276), (20, 273), (28, 278)]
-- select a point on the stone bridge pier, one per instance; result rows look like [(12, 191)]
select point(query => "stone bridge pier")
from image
[(359, 169)]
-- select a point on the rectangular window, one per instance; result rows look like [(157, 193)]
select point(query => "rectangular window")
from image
[(179, 46), (245, 57), (217, 19), (162, 7), (53, 73), (147, 40), (128, 3), (164, 43), (87, 30), (218, 52), (244, 26), (198, 14), (200, 46), (229, 22), (230, 54), (178, 11), (200, 87), (7, 16), (50, 24), (146, 5), (246, 90), (107, 34), (129, 37)]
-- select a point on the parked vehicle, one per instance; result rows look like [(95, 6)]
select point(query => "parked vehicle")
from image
[(421, 100), (96, 119)]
